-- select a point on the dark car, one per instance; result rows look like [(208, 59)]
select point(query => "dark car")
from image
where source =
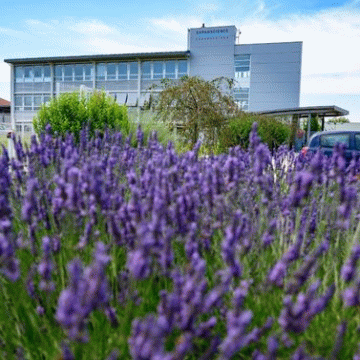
[(326, 140)]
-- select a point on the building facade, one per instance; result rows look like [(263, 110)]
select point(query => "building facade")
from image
[(266, 76)]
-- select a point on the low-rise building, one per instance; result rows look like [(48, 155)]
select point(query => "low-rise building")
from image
[(266, 76)]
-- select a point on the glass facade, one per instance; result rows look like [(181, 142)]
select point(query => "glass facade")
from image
[(30, 74), (30, 102), (32, 82), (241, 89)]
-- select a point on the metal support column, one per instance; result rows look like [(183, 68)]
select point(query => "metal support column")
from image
[(308, 128)]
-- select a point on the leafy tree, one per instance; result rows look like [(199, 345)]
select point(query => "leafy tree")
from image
[(71, 112), (338, 120), (196, 106), (314, 123)]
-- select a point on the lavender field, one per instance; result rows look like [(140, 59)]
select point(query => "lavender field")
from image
[(114, 252)]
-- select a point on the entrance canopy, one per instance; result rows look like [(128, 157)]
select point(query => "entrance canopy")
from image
[(321, 111), (307, 112)]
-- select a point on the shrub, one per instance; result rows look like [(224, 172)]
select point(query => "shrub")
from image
[(273, 132), (149, 124), (71, 112), (314, 124)]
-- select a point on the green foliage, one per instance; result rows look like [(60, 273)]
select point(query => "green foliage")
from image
[(314, 124), (71, 112), (339, 120), (272, 131), (196, 107), (149, 124)]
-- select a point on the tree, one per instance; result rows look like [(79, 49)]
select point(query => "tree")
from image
[(338, 120), (71, 112), (314, 123), (196, 106)]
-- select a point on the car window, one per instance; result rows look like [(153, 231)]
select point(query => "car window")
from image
[(357, 141), (329, 140)]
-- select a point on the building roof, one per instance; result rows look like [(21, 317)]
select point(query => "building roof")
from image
[(108, 57), (4, 102), (4, 106), (323, 111)]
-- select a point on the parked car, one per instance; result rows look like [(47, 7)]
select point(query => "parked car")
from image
[(326, 140)]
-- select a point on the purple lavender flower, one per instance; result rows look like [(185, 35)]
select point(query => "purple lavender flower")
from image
[(88, 291), (46, 267), (138, 264), (349, 268)]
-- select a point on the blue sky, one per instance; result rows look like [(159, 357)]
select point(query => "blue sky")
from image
[(330, 31)]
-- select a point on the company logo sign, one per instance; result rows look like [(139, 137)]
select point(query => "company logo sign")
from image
[(208, 34)]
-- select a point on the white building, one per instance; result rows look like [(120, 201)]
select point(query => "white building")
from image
[(267, 76)]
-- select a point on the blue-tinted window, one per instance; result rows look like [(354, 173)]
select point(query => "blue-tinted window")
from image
[(182, 68), (68, 72), (100, 71), (58, 73), (133, 70), (27, 102), (47, 99), (158, 70), (122, 71), (37, 101), (146, 70), (18, 102), (29, 74), (19, 74), (79, 72), (357, 141), (170, 69), (111, 71), (38, 74), (88, 72), (47, 73), (329, 140)]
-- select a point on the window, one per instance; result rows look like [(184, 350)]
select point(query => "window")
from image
[(59, 73), (134, 70), (31, 102), (111, 71), (170, 69), (68, 73), (329, 140), (79, 72), (19, 102), (357, 141), (27, 102), (122, 71), (88, 72), (146, 70), (158, 70), (241, 97), (242, 66), (37, 101), (182, 68), (19, 74), (100, 71), (47, 73), (29, 74), (38, 75)]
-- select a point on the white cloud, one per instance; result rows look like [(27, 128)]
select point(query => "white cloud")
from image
[(207, 7), (93, 27), (330, 38), (178, 25)]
